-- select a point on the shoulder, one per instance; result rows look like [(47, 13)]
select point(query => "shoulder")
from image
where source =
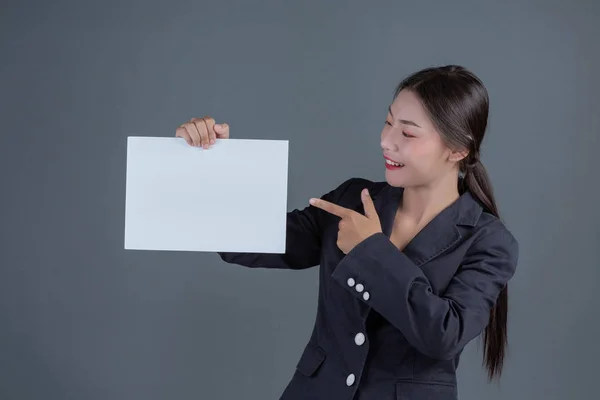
[(493, 238), (347, 194)]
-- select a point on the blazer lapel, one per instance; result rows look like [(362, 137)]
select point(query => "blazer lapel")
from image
[(440, 234)]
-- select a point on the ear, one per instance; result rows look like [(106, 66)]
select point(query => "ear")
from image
[(456, 155)]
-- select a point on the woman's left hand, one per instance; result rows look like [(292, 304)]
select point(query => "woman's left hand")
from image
[(353, 227)]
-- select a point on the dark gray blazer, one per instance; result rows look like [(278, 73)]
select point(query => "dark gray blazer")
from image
[(392, 324)]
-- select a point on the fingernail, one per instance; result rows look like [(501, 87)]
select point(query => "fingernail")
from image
[(212, 141), (219, 126), (312, 201)]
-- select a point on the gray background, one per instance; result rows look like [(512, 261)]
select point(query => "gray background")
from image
[(80, 318)]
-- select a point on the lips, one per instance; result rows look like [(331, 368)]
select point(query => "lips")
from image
[(392, 164)]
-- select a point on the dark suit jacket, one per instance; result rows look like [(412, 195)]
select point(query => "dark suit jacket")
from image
[(392, 324)]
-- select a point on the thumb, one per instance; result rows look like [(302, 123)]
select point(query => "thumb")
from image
[(370, 211), (222, 130)]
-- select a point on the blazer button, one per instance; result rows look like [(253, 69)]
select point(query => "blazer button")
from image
[(360, 288), (366, 296), (350, 380), (359, 339), (351, 282)]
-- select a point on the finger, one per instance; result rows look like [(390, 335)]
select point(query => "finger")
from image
[(202, 131), (183, 133), (222, 131), (331, 207), (370, 211), (191, 129), (210, 129)]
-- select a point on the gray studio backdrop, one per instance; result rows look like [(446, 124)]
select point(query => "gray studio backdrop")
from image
[(81, 318)]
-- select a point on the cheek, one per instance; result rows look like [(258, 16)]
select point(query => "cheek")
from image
[(416, 153), (422, 155)]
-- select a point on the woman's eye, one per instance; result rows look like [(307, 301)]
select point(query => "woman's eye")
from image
[(407, 135), (388, 123)]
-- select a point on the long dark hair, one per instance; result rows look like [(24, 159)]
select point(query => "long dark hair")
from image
[(458, 103)]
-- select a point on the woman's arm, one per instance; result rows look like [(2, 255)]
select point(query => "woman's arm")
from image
[(303, 239), (437, 326)]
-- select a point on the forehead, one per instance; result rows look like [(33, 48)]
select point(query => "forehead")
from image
[(407, 106)]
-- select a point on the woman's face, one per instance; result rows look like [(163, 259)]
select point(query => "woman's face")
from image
[(410, 139)]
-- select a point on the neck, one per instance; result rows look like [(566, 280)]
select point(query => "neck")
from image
[(423, 203)]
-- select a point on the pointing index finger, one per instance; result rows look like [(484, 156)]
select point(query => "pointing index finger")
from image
[(330, 207)]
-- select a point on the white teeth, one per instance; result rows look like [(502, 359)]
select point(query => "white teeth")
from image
[(393, 163)]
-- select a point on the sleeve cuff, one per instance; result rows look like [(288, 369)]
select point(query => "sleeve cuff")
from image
[(376, 270)]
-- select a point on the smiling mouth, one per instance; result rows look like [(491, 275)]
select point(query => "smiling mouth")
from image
[(391, 163)]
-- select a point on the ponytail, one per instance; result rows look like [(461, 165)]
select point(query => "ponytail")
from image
[(477, 182)]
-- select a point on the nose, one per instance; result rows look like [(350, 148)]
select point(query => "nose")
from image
[(386, 142)]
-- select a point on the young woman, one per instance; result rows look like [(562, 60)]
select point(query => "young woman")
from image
[(411, 269)]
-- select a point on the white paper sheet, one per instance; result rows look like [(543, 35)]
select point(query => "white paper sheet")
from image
[(230, 197)]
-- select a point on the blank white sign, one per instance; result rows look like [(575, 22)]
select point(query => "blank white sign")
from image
[(231, 197)]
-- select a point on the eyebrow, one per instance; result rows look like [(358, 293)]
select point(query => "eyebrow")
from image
[(404, 121)]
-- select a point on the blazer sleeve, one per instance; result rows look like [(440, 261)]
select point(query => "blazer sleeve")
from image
[(303, 239), (437, 326)]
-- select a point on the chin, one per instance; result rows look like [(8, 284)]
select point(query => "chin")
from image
[(395, 179)]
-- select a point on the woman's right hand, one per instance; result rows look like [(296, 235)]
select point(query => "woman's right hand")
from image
[(202, 132)]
